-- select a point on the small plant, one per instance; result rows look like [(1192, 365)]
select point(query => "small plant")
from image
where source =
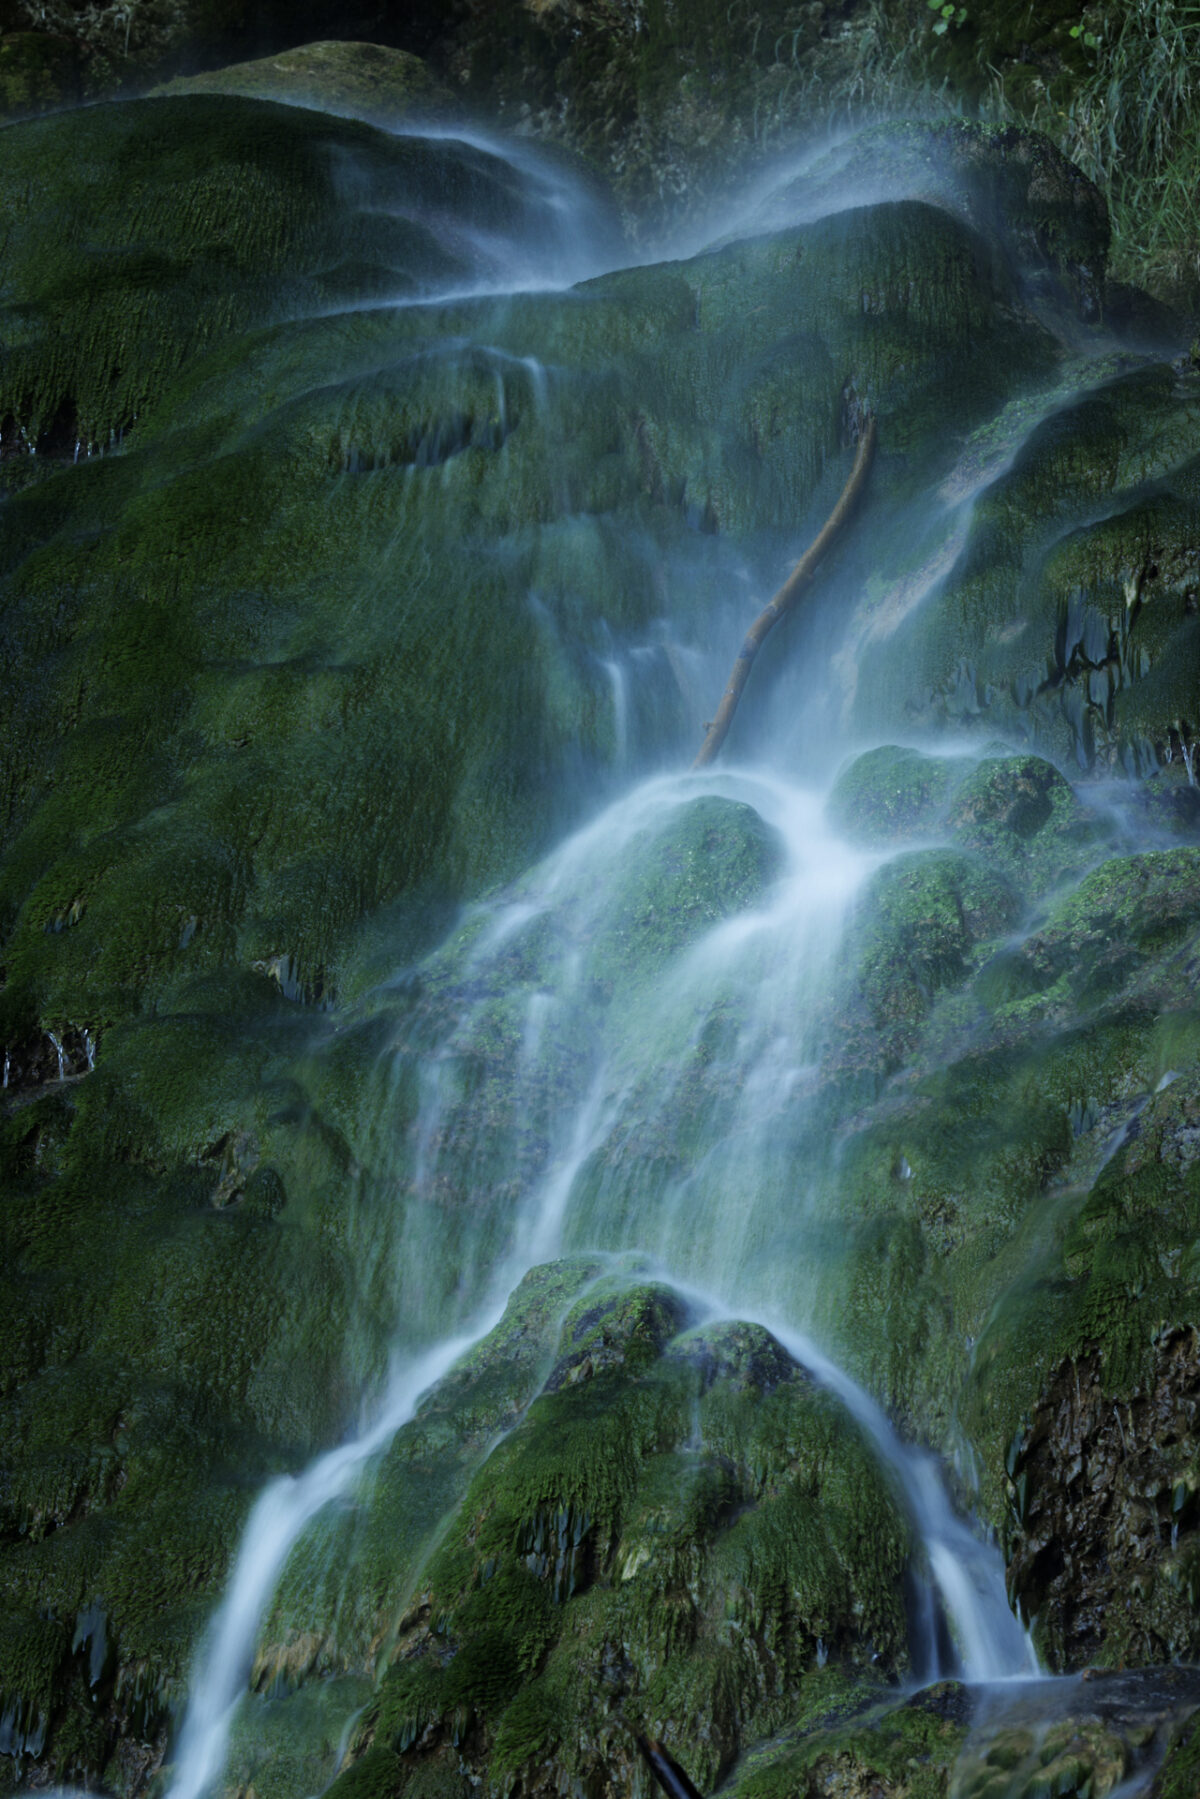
[(1085, 35), (948, 14)]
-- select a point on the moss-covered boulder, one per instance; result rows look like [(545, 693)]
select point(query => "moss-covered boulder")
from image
[(142, 234), (1128, 915), (674, 1537), (890, 795), (364, 81), (1032, 1083), (1023, 816), (354, 1573), (1017, 812), (918, 925), (1014, 188), (716, 858)]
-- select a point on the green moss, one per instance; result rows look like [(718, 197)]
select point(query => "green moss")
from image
[(1089, 666), (322, 650), (1013, 186), (1022, 815), (530, 1730), (909, 1749), (1179, 1773), (915, 932), (379, 1774), (32, 1651), (1126, 915), (715, 858), (690, 1504), (177, 223), (890, 794), (366, 81)]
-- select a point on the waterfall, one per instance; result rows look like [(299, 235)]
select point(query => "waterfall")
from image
[(777, 952), (746, 1222)]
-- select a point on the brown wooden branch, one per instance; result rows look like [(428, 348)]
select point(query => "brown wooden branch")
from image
[(666, 1770), (783, 601)]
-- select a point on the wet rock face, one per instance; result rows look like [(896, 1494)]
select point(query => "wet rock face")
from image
[(1106, 1552)]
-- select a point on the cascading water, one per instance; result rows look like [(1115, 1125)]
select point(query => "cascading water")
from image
[(745, 1148), (776, 954), (741, 1005), (670, 1070)]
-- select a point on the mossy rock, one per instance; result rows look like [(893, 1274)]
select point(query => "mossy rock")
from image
[(321, 654), (890, 795), (1016, 812), (1012, 185), (715, 858), (906, 1751), (363, 81), (143, 233), (1181, 1769), (1026, 820), (1128, 914), (1093, 664), (633, 1513), (359, 1566), (919, 922)]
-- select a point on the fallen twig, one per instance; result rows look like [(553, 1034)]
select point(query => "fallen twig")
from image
[(782, 602)]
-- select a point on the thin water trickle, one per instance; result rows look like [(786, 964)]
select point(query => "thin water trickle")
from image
[(275, 1524)]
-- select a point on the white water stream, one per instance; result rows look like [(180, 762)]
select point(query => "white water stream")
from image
[(776, 951), (728, 1224)]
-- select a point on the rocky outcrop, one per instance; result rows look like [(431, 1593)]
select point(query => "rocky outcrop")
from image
[(673, 1539), (1104, 1536)]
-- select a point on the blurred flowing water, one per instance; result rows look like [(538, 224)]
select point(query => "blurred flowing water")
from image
[(658, 1087)]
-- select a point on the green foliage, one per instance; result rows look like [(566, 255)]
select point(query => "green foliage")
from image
[(1129, 120), (948, 15)]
